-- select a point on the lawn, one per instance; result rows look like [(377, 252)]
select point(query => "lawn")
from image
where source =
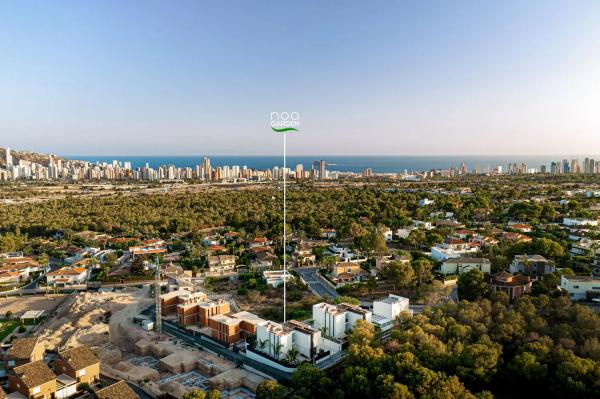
[(6, 327)]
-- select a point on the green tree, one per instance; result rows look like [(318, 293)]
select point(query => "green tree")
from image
[(422, 269), (346, 299), (471, 285), (195, 394), (309, 381), (270, 389), (399, 273), (416, 238), (213, 394)]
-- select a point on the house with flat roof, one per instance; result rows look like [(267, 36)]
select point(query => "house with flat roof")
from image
[(170, 300), (305, 339), (453, 248), (248, 323), (389, 308), (275, 278), (199, 311), (535, 265), (274, 339), (580, 222), (580, 287), (225, 328), (337, 321), (34, 380), (463, 265)]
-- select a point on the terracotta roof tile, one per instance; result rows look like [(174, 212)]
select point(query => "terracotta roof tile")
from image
[(35, 373), (22, 348), (118, 390), (80, 357)]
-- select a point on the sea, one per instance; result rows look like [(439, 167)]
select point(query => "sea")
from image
[(346, 163)]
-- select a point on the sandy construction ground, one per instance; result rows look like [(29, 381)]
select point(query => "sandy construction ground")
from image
[(79, 319), (19, 305)]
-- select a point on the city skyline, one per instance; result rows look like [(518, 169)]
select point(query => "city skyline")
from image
[(416, 79)]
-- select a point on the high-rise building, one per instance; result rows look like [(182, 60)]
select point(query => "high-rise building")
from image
[(207, 169), (574, 165), (9, 160), (586, 165), (299, 172), (322, 168)]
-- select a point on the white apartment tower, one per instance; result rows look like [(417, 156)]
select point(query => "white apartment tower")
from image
[(9, 160)]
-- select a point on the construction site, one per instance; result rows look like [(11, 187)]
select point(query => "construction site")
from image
[(110, 323)]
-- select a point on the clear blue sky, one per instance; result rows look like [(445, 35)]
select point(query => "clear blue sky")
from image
[(385, 77)]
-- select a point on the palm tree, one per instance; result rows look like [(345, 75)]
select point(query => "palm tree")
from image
[(292, 355), (262, 344), (277, 349)]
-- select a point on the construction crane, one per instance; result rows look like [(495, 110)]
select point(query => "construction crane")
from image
[(157, 295)]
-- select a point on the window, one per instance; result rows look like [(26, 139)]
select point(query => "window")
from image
[(575, 286), (11, 363)]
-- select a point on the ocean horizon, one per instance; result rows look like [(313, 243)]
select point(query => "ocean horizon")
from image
[(342, 163)]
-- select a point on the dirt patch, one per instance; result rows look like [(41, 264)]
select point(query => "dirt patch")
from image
[(21, 304)]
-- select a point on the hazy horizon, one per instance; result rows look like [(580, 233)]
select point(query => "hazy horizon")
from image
[(432, 78)]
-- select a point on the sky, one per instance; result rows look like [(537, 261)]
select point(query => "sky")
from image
[(387, 77)]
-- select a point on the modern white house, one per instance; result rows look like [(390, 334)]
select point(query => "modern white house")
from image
[(275, 278), (274, 339), (425, 202), (404, 232), (423, 224), (463, 265), (391, 307), (385, 311), (306, 339), (453, 248), (580, 222), (388, 234), (329, 319), (580, 287), (337, 321)]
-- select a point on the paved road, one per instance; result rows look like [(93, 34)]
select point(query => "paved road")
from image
[(315, 282)]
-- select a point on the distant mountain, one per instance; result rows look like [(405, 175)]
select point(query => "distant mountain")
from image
[(43, 159)]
